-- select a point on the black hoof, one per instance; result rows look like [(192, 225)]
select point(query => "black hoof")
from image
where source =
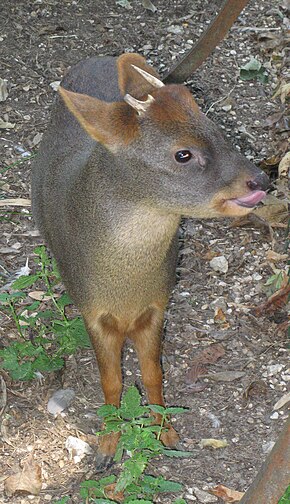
[(103, 462)]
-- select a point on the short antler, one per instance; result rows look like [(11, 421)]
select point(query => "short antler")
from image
[(140, 106), (149, 77)]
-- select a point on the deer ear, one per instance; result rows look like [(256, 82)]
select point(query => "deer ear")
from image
[(111, 124), (130, 81)]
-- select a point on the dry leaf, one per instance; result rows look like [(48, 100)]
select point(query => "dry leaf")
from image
[(272, 256), (282, 401), (256, 388), (195, 371), (283, 91), (6, 124), (147, 4), (284, 165), (219, 316), (275, 302), (26, 481), (39, 296), (3, 395), (273, 210), (210, 354), (15, 202), (227, 494), (111, 494), (3, 90), (226, 376), (213, 443)]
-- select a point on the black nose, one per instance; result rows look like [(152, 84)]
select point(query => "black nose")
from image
[(261, 182)]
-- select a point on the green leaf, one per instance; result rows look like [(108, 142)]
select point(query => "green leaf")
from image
[(254, 70), (285, 499), (177, 453), (156, 408), (253, 65), (179, 501), (106, 410), (64, 300), (131, 404), (24, 281), (133, 468), (63, 500), (169, 486), (14, 296)]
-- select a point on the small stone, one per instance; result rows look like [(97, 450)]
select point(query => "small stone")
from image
[(267, 447), (176, 30), (274, 415), (203, 496), (219, 264), (219, 303)]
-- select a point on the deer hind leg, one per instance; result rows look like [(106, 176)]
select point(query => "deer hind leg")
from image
[(108, 341), (146, 336)]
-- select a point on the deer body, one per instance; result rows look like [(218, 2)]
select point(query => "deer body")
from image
[(122, 161)]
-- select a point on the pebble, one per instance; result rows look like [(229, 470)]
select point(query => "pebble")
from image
[(219, 264), (176, 30), (203, 496), (274, 415)]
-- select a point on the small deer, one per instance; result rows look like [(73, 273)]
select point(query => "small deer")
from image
[(124, 157)]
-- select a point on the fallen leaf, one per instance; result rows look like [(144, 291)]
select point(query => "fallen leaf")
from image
[(124, 3), (39, 295), (282, 401), (6, 124), (227, 494), (226, 376), (28, 480), (273, 210), (255, 388), (15, 202), (210, 354), (284, 165), (3, 395), (275, 302), (272, 256), (111, 494), (147, 4), (194, 373), (269, 40), (213, 443), (283, 91), (219, 316), (3, 90)]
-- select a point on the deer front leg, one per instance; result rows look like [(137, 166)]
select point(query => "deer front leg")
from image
[(108, 342), (146, 336)]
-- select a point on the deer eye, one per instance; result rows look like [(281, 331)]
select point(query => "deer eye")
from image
[(183, 156)]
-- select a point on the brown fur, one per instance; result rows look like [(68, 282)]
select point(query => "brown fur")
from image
[(110, 207)]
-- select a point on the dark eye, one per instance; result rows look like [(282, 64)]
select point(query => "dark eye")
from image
[(183, 156)]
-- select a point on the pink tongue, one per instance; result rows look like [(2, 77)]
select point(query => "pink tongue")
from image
[(252, 199)]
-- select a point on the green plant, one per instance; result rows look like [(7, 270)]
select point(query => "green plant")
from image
[(140, 439), (253, 70), (45, 335), (275, 281), (285, 499)]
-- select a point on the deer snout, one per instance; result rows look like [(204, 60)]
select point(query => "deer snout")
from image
[(260, 183)]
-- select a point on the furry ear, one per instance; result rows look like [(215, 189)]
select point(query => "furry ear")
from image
[(130, 80), (111, 124)]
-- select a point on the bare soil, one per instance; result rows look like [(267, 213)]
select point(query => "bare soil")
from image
[(39, 40)]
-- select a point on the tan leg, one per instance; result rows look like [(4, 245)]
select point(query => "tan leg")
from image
[(108, 342), (146, 335)]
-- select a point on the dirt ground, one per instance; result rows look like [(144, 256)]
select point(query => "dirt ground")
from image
[(39, 40)]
